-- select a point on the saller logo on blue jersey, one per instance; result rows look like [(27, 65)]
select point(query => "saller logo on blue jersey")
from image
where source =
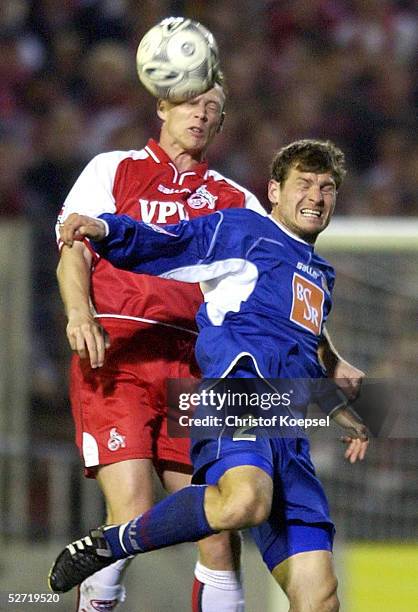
[(307, 304)]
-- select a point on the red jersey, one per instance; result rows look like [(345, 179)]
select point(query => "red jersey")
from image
[(147, 186)]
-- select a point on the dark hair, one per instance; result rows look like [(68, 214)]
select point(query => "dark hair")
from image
[(309, 156)]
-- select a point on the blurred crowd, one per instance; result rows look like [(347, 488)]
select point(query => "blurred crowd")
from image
[(339, 69)]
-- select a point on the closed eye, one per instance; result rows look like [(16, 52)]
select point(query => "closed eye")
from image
[(328, 189), (213, 106)]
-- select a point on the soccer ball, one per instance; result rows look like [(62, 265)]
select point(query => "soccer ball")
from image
[(177, 59)]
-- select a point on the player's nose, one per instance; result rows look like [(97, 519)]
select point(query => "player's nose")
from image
[(315, 194), (200, 111)]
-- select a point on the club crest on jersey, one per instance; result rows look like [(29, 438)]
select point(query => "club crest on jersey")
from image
[(116, 440), (307, 304), (202, 198)]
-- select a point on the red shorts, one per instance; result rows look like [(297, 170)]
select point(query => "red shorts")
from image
[(120, 409)]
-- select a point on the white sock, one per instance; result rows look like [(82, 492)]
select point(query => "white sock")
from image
[(106, 584), (222, 590)]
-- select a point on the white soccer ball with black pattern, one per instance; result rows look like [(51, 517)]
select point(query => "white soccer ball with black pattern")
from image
[(177, 59)]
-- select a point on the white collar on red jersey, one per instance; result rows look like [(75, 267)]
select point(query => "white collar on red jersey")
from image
[(160, 157)]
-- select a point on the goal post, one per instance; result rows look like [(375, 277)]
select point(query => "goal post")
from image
[(370, 234)]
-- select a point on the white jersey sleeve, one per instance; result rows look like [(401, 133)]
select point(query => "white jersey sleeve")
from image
[(92, 193), (251, 202)]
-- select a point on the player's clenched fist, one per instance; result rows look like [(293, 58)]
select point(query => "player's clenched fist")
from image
[(76, 227)]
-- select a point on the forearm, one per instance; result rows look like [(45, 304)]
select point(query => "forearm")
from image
[(174, 251), (327, 353), (85, 334), (190, 251), (347, 376), (145, 248), (73, 275)]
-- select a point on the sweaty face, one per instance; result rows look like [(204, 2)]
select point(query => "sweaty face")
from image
[(192, 125), (304, 202)]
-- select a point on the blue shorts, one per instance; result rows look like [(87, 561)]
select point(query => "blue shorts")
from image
[(299, 519)]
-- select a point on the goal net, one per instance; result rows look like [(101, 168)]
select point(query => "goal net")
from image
[(374, 326)]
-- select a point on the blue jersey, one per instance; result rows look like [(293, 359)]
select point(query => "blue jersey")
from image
[(267, 297), (267, 293)]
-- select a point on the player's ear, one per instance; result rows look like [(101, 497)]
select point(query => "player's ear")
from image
[(221, 123), (273, 192), (162, 108)]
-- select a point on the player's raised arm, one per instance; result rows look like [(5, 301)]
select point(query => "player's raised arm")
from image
[(174, 251)]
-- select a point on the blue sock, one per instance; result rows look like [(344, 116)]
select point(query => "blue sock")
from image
[(180, 517)]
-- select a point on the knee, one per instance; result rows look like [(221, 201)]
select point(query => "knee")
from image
[(327, 600), (321, 598), (242, 511), (332, 600), (241, 499), (126, 508), (127, 487), (334, 604)]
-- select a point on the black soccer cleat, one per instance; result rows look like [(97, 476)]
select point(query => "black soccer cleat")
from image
[(80, 560)]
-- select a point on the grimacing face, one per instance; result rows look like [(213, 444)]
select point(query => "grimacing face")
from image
[(304, 202), (192, 125)]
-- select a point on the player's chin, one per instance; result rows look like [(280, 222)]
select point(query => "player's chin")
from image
[(310, 232), (314, 226), (196, 146)]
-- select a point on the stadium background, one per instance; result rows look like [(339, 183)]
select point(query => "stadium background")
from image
[(339, 69)]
